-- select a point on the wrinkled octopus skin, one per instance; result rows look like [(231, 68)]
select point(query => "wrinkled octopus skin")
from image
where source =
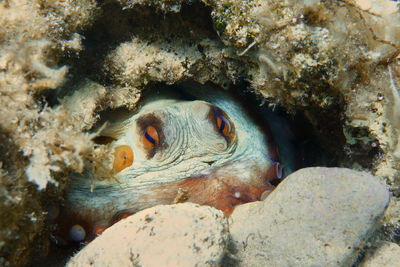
[(207, 152)]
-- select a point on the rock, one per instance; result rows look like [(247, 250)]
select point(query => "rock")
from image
[(315, 217), (386, 255), (167, 235)]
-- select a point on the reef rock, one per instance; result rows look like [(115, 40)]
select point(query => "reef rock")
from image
[(178, 235), (315, 217), (387, 254)]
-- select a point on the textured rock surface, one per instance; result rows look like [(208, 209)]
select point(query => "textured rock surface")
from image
[(315, 217), (33, 36), (178, 235), (386, 255)]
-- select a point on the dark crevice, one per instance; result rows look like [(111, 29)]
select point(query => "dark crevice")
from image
[(301, 144)]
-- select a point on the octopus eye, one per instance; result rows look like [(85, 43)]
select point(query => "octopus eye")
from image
[(150, 137), (223, 125), (123, 157)]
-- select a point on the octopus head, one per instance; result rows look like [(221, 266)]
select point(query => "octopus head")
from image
[(208, 152)]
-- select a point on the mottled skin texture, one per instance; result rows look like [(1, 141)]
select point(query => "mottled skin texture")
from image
[(193, 161)]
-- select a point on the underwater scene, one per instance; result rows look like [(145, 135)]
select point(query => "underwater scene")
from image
[(199, 133)]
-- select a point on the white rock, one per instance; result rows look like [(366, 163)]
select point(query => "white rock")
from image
[(386, 255), (315, 217), (167, 235)]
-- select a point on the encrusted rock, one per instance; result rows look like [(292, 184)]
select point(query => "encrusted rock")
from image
[(178, 235), (386, 255), (315, 217)]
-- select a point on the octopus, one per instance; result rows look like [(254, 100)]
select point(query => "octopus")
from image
[(204, 149)]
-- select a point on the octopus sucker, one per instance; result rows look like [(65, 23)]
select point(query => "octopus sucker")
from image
[(198, 146)]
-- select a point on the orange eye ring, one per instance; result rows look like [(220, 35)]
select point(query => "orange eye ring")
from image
[(150, 137), (123, 158), (223, 125)]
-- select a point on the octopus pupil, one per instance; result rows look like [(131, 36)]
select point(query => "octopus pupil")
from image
[(222, 127), (222, 123), (149, 138)]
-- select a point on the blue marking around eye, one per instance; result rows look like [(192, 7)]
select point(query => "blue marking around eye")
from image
[(149, 138)]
